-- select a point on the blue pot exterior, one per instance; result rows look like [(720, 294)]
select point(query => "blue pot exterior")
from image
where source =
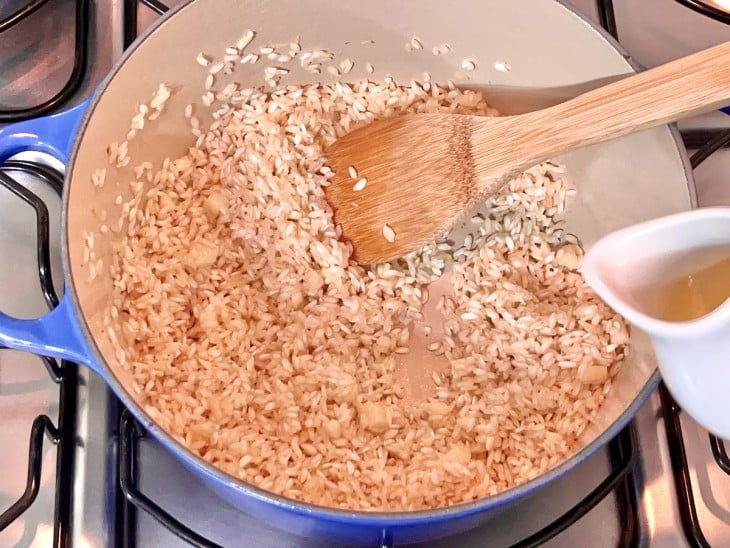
[(355, 529)]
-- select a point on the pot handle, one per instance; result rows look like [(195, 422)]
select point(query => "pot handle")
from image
[(52, 134), (56, 335)]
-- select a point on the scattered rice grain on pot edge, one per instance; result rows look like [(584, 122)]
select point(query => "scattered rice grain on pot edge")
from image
[(468, 65), (255, 341), (360, 184), (389, 233)]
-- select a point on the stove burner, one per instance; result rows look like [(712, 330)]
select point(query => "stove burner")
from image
[(708, 140), (78, 72), (41, 425), (20, 14), (607, 17), (718, 451), (680, 468), (719, 10), (130, 16)]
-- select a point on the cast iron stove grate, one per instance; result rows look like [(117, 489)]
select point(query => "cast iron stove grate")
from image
[(622, 450), (78, 72), (64, 374)]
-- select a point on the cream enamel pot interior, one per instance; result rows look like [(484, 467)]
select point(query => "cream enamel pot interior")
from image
[(552, 53)]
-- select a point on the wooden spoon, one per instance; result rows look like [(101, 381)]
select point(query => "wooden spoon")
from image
[(423, 171)]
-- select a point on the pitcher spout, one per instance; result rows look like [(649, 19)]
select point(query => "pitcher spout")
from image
[(627, 264), (625, 269)]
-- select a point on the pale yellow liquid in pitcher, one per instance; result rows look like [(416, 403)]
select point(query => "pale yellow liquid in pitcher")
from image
[(691, 296)]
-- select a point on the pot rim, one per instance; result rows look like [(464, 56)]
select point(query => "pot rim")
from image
[(361, 516)]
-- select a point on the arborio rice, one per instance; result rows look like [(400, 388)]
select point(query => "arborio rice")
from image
[(257, 343)]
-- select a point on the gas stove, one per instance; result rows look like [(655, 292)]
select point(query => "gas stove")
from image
[(76, 468)]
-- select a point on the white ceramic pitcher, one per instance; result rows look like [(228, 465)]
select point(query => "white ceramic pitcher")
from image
[(693, 356)]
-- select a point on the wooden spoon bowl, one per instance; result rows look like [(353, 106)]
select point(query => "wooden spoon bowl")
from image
[(416, 174)]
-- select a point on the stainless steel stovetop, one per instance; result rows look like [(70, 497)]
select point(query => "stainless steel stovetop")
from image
[(646, 488)]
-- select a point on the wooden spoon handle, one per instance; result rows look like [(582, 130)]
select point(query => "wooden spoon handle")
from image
[(698, 82)]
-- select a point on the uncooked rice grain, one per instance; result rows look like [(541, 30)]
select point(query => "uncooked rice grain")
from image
[(254, 339), (249, 58), (468, 65), (98, 177), (347, 65), (160, 97), (216, 67), (245, 40), (442, 49), (502, 66)]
